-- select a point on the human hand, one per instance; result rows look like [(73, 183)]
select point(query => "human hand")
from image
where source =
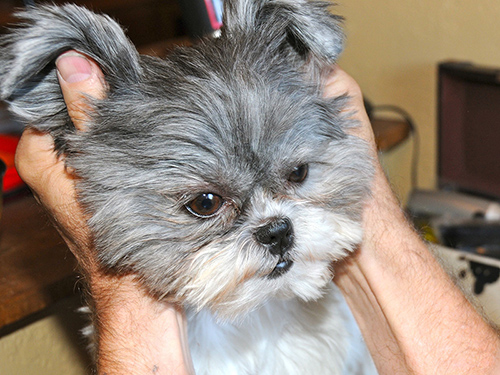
[(45, 172), (358, 276), (136, 333), (398, 292), (382, 203)]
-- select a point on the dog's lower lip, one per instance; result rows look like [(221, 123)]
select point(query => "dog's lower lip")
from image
[(281, 268)]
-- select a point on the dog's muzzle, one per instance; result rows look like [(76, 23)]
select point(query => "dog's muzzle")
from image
[(277, 237)]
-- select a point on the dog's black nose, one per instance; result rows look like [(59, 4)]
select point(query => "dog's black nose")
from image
[(277, 236)]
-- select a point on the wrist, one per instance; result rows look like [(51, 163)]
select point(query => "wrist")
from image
[(136, 333)]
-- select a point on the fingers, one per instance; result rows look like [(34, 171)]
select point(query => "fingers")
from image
[(54, 187), (41, 168), (45, 172), (79, 78), (340, 83)]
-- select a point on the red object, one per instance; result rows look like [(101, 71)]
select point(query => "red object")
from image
[(8, 145), (214, 22)]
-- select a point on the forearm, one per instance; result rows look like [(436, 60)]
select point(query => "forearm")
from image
[(414, 319), (137, 334)]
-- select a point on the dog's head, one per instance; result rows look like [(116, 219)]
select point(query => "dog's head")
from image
[(221, 176)]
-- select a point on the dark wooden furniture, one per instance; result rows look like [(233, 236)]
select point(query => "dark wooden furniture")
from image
[(146, 21), (36, 268)]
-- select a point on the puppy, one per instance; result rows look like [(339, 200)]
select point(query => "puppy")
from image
[(221, 176)]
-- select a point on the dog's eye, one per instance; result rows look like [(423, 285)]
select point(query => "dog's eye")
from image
[(205, 205), (299, 173)]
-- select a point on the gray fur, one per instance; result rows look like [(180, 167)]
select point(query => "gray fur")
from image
[(232, 116)]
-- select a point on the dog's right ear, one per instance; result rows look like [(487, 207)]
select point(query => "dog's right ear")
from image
[(305, 26), (28, 80)]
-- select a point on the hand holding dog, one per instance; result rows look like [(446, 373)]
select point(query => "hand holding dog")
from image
[(340, 83), (398, 292), (131, 321)]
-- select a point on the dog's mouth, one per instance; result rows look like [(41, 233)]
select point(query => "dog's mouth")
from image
[(281, 268)]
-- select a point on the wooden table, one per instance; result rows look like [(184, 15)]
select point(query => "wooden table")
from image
[(36, 268)]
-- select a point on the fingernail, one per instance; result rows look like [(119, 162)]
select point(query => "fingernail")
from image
[(73, 67)]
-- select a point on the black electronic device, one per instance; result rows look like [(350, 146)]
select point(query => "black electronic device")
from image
[(469, 129), (466, 207)]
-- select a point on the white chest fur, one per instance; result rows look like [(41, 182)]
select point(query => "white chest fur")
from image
[(289, 337)]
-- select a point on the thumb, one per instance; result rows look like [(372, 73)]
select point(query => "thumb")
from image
[(80, 78)]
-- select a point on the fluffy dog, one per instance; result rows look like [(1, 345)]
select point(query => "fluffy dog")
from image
[(220, 176)]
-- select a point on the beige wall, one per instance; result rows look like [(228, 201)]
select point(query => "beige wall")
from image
[(393, 47), (49, 346)]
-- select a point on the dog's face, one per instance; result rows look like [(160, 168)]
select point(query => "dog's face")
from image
[(221, 176), (225, 189)]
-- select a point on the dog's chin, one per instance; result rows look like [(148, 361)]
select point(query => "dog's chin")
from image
[(296, 279), (305, 280)]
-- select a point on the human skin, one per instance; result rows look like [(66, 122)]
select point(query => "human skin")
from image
[(413, 318)]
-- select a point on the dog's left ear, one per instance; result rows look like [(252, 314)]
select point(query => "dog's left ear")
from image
[(306, 27)]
